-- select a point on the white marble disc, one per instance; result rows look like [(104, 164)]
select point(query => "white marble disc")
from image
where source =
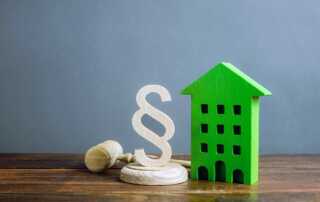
[(165, 175)]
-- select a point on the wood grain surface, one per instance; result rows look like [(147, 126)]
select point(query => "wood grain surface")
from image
[(63, 177)]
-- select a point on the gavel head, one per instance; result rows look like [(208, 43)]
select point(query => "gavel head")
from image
[(103, 155)]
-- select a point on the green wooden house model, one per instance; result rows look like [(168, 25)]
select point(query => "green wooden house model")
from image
[(225, 125)]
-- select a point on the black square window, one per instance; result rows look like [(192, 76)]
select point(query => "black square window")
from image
[(237, 109), (236, 150), (204, 128), (220, 148), (204, 108), (237, 129), (220, 109), (220, 129), (204, 147)]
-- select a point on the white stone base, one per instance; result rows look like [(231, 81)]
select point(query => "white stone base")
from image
[(165, 175)]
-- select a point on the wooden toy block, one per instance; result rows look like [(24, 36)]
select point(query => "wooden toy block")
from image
[(225, 125)]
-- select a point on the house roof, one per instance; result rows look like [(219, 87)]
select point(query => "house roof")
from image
[(258, 89)]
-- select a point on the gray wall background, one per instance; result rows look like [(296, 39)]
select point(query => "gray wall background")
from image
[(70, 70)]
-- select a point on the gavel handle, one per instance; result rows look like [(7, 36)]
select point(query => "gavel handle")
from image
[(181, 162), (128, 158), (184, 163)]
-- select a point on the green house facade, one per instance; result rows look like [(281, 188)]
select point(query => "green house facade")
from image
[(225, 125)]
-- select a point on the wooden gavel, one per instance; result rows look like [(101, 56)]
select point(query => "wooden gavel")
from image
[(106, 154)]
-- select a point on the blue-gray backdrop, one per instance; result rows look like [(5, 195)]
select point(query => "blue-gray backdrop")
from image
[(70, 70)]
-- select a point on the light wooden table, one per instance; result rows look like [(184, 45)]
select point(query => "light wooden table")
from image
[(63, 177)]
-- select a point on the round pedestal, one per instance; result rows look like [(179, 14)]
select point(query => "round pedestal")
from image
[(165, 175)]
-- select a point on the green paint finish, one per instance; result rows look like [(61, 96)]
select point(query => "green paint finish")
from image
[(225, 117)]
